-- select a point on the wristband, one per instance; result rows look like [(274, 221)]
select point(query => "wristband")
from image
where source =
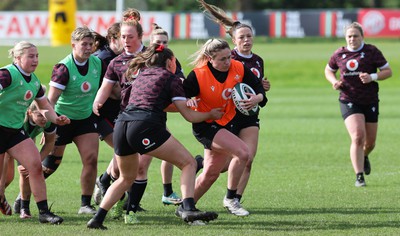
[(374, 76)]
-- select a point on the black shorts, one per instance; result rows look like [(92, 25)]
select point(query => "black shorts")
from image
[(370, 111), (66, 133), (110, 109), (138, 136), (104, 127), (11, 137), (205, 132), (241, 121), (108, 115)]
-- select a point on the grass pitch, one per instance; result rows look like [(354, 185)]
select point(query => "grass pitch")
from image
[(302, 181)]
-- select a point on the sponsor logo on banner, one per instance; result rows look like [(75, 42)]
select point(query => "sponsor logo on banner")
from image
[(373, 22), (380, 23)]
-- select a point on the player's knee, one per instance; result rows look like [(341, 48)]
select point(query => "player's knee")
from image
[(90, 161), (142, 172), (211, 176), (9, 179), (358, 139), (243, 154), (50, 164), (249, 163), (369, 146)]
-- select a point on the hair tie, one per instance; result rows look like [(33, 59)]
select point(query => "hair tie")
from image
[(236, 23), (160, 48), (129, 18)]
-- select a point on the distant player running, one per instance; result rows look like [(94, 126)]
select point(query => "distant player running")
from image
[(358, 64)]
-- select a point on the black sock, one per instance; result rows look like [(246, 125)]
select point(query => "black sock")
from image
[(25, 204), (113, 179), (85, 200), (188, 204), (230, 194), (42, 206), (238, 196), (168, 189), (199, 161), (100, 215), (105, 179), (123, 197), (135, 195), (360, 176)]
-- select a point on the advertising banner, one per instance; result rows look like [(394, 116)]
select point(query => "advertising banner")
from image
[(34, 26), (380, 23), (332, 23)]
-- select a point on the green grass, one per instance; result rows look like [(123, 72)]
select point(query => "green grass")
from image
[(302, 181)]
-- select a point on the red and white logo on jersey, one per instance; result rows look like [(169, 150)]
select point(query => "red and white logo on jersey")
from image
[(85, 87), (135, 74), (352, 65), (256, 72), (146, 141), (28, 95), (227, 93)]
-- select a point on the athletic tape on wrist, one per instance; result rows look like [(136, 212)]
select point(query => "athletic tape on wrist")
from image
[(374, 76)]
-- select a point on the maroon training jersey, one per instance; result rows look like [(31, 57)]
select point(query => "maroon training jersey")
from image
[(116, 72), (351, 63), (255, 63), (117, 68), (155, 88)]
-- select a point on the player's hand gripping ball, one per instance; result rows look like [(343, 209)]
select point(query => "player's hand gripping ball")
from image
[(239, 94)]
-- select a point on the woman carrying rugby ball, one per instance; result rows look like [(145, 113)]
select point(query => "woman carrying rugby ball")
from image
[(247, 126), (211, 83)]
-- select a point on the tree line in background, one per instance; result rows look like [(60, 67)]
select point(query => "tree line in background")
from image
[(192, 5)]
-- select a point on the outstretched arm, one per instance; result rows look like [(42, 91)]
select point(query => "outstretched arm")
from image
[(47, 110), (194, 116)]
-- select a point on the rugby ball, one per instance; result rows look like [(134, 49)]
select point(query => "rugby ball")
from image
[(239, 94)]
